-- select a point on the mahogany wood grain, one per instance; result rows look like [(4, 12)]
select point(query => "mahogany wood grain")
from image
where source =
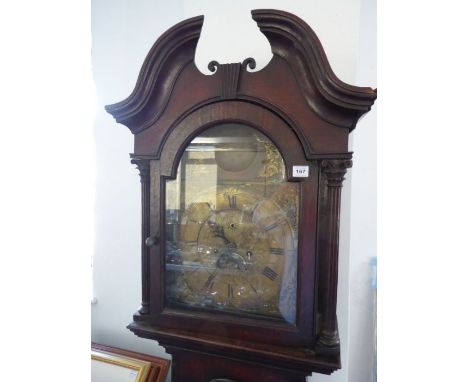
[(202, 367)]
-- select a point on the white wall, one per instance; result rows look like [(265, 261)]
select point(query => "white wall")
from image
[(123, 32), (363, 236)]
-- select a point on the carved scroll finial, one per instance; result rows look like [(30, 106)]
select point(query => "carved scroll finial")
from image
[(250, 62), (229, 78), (213, 66), (229, 75)]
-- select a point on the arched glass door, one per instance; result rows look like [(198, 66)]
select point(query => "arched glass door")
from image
[(231, 226)]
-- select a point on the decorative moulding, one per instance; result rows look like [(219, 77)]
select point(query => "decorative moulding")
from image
[(291, 40)]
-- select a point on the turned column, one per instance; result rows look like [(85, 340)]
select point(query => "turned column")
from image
[(143, 166), (334, 171)]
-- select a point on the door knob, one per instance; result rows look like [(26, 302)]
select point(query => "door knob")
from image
[(151, 241)]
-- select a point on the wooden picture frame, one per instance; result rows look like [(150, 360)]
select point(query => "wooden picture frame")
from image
[(147, 368), (117, 369)]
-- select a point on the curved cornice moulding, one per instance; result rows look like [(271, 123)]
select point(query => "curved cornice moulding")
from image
[(295, 41), (163, 63), (290, 38)]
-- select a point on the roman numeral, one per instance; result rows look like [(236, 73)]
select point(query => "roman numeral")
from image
[(230, 292), (281, 220), (277, 251), (232, 199), (271, 226), (270, 273), (210, 281), (253, 288)]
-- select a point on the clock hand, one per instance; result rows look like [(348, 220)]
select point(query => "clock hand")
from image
[(218, 231)]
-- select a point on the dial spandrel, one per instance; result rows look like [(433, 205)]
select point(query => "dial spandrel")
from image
[(231, 226)]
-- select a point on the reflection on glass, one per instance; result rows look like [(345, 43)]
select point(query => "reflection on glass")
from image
[(231, 226)]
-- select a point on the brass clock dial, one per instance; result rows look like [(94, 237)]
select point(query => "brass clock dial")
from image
[(234, 246), (237, 260)]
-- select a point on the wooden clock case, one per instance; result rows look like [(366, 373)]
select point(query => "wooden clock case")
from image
[(299, 103)]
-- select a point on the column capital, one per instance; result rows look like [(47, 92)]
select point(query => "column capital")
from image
[(143, 166), (335, 170)]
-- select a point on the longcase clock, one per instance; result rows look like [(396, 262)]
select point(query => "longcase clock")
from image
[(241, 174)]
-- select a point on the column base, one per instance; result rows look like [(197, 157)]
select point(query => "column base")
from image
[(328, 343)]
